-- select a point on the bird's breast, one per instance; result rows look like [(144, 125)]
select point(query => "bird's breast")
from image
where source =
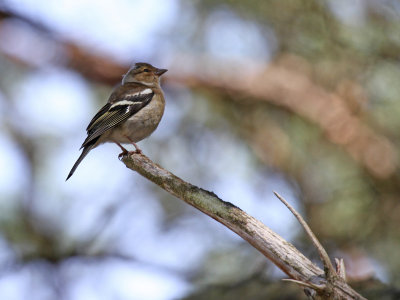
[(141, 124)]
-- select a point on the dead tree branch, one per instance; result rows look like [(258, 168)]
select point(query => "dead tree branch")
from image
[(280, 252)]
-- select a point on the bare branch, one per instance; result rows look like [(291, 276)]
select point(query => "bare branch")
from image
[(328, 267), (280, 252)]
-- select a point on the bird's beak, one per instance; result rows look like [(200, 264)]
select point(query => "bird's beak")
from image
[(159, 72)]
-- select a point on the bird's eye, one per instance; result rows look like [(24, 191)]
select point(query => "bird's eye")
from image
[(146, 70)]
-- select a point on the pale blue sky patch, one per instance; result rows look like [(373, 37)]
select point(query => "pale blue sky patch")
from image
[(52, 101), (350, 12), (14, 286), (180, 248), (122, 279), (230, 37), (117, 27), (144, 282)]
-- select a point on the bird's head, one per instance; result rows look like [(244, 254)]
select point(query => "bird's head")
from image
[(143, 73)]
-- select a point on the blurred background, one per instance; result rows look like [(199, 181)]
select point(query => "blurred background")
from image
[(300, 97)]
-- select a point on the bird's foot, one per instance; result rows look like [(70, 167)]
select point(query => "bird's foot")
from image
[(137, 151), (122, 154)]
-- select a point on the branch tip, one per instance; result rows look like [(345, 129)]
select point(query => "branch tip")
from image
[(306, 284), (330, 271), (340, 268)]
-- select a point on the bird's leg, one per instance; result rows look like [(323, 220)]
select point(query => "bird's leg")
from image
[(138, 151), (124, 151)]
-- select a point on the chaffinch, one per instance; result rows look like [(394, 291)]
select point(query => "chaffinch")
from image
[(133, 111)]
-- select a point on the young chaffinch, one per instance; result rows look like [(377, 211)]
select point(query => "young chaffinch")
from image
[(132, 113)]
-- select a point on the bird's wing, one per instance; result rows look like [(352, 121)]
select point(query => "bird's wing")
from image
[(100, 113), (113, 114)]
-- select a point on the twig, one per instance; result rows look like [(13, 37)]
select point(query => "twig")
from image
[(330, 271), (305, 284), (340, 268)]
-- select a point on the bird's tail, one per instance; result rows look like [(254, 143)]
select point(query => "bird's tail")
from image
[(85, 151)]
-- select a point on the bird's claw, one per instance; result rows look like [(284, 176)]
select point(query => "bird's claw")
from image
[(137, 151), (122, 154)]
